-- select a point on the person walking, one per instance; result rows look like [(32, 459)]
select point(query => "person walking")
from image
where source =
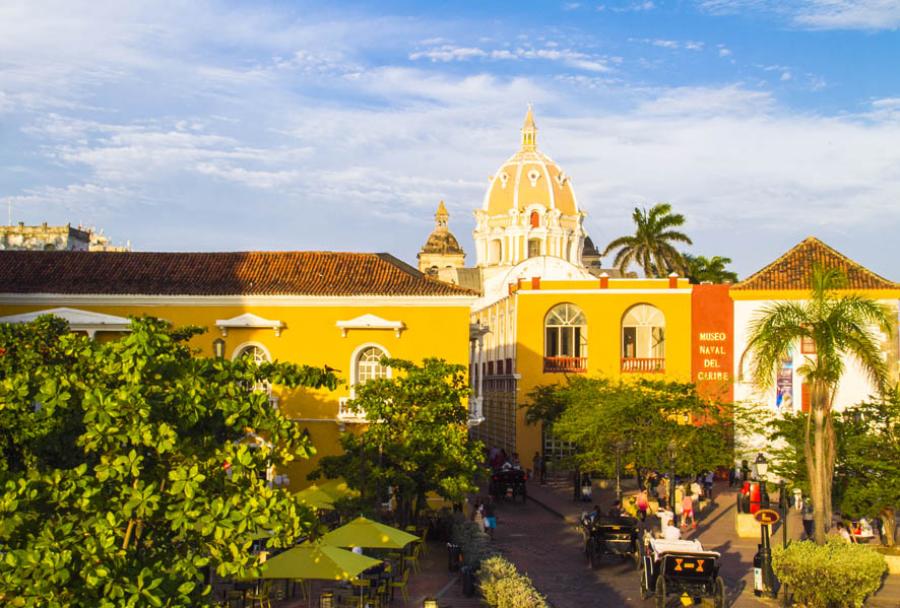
[(536, 464), (662, 492), (808, 520), (708, 484), (490, 517), (642, 503), (687, 509)]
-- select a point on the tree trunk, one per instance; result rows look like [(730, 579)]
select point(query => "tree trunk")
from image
[(830, 456), (818, 478), (889, 523)]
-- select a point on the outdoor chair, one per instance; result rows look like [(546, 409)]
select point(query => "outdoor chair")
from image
[(413, 559), (401, 585), (260, 598)]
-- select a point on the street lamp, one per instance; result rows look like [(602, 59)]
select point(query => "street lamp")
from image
[(762, 469), (430, 602), (620, 447), (671, 448)]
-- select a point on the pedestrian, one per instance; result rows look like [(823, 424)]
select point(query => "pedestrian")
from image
[(696, 488), (543, 470), (478, 514), (642, 504), (808, 520), (732, 476), (708, 484), (662, 492), (687, 510), (536, 464), (586, 487), (490, 517)]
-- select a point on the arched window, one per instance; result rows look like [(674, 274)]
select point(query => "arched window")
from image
[(534, 248), (565, 339), (643, 339), (258, 355), (495, 251), (368, 365), (535, 219)]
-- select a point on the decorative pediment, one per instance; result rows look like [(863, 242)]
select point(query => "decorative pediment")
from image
[(370, 321), (249, 321), (79, 320)]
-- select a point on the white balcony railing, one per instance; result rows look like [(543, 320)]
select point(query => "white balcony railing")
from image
[(348, 414)]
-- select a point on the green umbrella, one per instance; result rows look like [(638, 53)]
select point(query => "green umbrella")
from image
[(317, 562), (316, 498), (362, 532), (337, 488)]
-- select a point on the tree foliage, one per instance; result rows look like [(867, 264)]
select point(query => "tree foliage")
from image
[(842, 326), (700, 269), (652, 246), (867, 458), (416, 440), (640, 419), (113, 484)]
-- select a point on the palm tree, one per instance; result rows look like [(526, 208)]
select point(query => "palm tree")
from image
[(701, 269), (840, 326), (651, 245)]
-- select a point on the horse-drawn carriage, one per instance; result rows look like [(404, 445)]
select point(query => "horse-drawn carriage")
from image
[(508, 481), (616, 536), (682, 568)]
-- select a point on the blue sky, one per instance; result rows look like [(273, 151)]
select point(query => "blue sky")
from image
[(291, 125)]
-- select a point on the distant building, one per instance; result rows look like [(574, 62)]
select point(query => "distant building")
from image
[(55, 238)]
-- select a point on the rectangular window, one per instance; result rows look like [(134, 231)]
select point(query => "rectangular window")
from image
[(552, 341), (629, 340), (807, 345)]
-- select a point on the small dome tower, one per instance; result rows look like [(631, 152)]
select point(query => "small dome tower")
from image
[(441, 251)]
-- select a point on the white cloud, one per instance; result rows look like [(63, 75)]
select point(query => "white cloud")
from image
[(820, 14), (690, 45), (646, 5), (569, 57), (785, 76)]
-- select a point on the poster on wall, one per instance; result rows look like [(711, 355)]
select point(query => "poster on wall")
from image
[(784, 384)]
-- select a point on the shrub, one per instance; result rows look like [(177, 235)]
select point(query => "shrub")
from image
[(834, 575), (503, 587), (474, 543)]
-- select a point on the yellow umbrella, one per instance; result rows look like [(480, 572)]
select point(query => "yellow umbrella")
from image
[(362, 532), (317, 561), (316, 498), (337, 488)]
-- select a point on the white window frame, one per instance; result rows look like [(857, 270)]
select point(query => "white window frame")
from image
[(273, 399), (354, 364)]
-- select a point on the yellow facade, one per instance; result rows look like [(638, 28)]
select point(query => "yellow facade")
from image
[(431, 327), (518, 333)]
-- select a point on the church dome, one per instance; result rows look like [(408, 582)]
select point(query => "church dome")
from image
[(441, 240), (529, 177)]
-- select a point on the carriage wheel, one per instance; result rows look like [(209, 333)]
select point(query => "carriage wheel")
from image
[(719, 599), (645, 582), (661, 591)]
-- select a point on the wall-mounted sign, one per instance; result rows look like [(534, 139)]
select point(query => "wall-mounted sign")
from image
[(712, 341), (784, 383)]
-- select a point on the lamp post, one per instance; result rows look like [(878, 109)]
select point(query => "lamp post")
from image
[(620, 446), (764, 555), (785, 505), (671, 450), (762, 469)]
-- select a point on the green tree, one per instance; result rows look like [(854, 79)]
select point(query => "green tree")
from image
[(700, 269), (870, 461), (640, 419), (652, 245), (841, 326), (416, 439), (114, 487)]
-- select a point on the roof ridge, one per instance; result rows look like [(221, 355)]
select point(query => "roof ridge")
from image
[(797, 250)]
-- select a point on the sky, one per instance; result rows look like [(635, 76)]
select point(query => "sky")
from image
[(224, 125)]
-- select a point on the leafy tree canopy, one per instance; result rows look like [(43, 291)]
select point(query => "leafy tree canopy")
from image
[(652, 246), (114, 487), (640, 418), (416, 440), (700, 269)]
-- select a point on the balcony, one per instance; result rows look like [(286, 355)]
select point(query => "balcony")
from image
[(633, 365), (565, 365), (348, 414)]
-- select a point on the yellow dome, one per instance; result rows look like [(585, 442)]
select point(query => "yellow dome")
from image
[(529, 178)]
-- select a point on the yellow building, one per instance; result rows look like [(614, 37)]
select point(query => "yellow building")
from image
[(547, 311), (343, 310)]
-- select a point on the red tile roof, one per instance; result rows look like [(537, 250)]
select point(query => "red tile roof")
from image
[(794, 268), (312, 273)]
